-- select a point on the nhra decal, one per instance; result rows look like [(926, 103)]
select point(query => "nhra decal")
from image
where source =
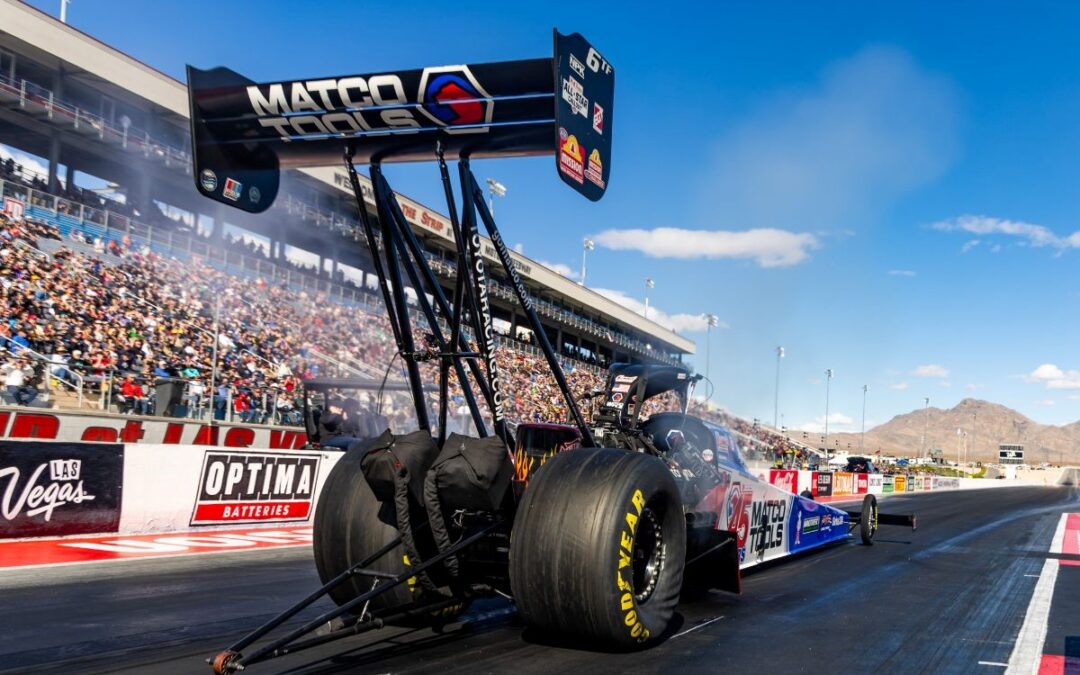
[(246, 487), (573, 92), (59, 489)]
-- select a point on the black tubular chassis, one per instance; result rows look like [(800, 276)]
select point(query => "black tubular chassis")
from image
[(227, 143)]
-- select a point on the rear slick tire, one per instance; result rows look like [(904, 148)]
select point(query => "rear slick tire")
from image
[(598, 548)]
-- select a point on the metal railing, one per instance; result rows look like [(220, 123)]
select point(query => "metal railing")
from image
[(15, 348)]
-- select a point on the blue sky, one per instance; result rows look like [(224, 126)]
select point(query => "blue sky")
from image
[(887, 191)]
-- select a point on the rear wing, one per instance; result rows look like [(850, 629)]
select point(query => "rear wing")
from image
[(243, 133)]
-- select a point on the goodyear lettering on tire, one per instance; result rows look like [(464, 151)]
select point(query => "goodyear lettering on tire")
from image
[(411, 582), (637, 629)]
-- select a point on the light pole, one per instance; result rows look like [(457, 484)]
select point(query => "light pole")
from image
[(862, 432), (776, 390), (711, 321), (495, 189), (586, 246), (926, 424), (648, 284), (828, 379)]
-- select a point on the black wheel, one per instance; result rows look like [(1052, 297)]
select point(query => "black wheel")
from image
[(351, 525), (868, 520), (598, 548)]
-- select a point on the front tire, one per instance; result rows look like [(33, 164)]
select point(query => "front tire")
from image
[(598, 548), (868, 520)]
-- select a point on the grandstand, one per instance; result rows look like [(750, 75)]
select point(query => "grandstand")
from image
[(91, 109), (106, 291)]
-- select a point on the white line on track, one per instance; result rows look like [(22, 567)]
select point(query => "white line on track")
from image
[(700, 625), (1027, 652), (1032, 575), (993, 663)]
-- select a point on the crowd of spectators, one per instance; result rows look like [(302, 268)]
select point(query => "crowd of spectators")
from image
[(122, 318)]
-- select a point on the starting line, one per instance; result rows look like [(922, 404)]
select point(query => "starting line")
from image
[(69, 551)]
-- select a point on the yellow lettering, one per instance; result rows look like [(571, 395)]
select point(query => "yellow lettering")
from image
[(627, 601), (627, 541), (623, 586), (639, 500), (636, 630), (624, 559), (631, 618), (631, 521)]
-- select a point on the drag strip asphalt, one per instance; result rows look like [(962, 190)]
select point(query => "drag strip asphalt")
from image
[(950, 597)]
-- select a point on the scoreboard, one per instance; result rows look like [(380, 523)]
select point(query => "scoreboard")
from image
[(1010, 454)]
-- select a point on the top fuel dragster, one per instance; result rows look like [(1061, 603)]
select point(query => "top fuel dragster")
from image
[(594, 528)]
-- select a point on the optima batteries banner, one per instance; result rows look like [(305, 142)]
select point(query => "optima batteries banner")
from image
[(55, 489), (251, 487)]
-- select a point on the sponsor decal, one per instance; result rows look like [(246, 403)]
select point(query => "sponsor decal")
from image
[(738, 501), (452, 97), (617, 397), (598, 118), (573, 92), (862, 484), (887, 484), (767, 525), (843, 483), (232, 189), (13, 208), (624, 571), (824, 484), (254, 195), (810, 524), (571, 162), (76, 428), (707, 455), (900, 483), (250, 487), (625, 379), (577, 66), (595, 171), (59, 489), (785, 479), (208, 180)]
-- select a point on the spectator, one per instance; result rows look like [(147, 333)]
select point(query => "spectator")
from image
[(18, 375)]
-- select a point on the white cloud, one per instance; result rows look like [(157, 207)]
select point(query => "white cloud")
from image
[(974, 387), (837, 422), (968, 245), (1045, 401), (901, 273), (560, 268), (677, 322), (899, 386), (767, 247), (1029, 234), (931, 370), (519, 247), (28, 162), (873, 127), (1054, 377)]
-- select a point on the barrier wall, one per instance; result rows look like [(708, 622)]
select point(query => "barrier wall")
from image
[(61, 489)]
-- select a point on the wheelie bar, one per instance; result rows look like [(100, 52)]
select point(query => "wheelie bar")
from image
[(232, 660)]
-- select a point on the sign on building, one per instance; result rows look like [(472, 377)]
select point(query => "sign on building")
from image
[(1010, 454)]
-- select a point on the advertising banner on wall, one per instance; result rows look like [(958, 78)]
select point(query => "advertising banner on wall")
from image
[(823, 484), (843, 483), (862, 483), (887, 484), (900, 483), (252, 487), (57, 489), (785, 479), (876, 483)]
